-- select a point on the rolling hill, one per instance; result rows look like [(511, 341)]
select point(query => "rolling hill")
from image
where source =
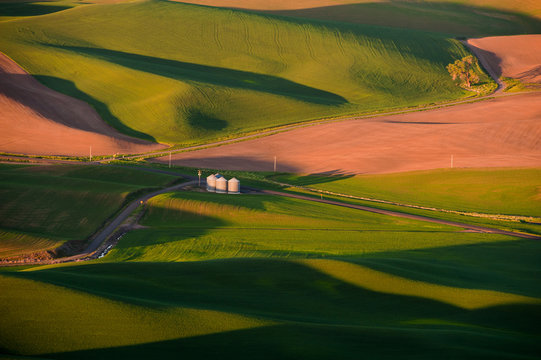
[(279, 278), (499, 132), (37, 120), (42, 207), (178, 73), (454, 17)]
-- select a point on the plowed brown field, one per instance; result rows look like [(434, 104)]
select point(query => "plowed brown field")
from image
[(516, 57), (501, 132), (275, 4), (37, 120), (527, 6)]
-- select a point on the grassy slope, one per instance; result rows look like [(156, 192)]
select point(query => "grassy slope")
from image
[(199, 72), (496, 191), (204, 226), (43, 206), (474, 295)]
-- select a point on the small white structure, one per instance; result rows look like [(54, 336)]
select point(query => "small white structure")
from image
[(233, 186), (211, 183), (221, 185)]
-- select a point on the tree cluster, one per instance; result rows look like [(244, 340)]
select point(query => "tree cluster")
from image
[(464, 70)]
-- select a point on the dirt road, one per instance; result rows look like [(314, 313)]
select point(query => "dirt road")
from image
[(108, 230), (406, 216)]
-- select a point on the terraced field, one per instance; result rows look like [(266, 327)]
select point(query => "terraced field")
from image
[(281, 278), (44, 206), (207, 73)]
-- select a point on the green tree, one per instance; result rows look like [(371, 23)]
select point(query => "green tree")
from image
[(463, 70)]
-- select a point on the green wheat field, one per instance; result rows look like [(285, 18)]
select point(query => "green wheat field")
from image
[(253, 276)]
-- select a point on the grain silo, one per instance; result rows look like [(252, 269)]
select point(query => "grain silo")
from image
[(211, 183), (233, 186), (221, 185)]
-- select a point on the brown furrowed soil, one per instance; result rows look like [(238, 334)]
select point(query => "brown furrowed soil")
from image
[(500, 132), (517, 57), (37, 120), (275, 4), (527, 6)]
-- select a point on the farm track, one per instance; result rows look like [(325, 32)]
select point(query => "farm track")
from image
[(100, 240), (486, 65), (90, 252), (405, 215)]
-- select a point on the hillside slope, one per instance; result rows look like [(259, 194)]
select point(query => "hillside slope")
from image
[(37, 120), (500, 132), (281, 279), (456, 17), (517, 57), (180, 73)]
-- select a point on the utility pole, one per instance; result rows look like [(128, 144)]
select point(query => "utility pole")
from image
[(169, 159), (199, 174), (275, 164)]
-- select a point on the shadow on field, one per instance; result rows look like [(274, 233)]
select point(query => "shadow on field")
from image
[(158, 215), (226, 162), (316, 341), (185, 71), (506, 266), (317, 315), (495, 63), (164, 214), (285, 290), (13, 8), (47, 104), (258, 162), (69, 88), (199, 119), (449, 18), (312, 179)]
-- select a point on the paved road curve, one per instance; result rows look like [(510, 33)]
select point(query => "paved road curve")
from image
[(128, 210), (109, 229)]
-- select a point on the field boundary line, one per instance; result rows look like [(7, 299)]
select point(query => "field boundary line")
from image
[(483, 229), (501, 217)]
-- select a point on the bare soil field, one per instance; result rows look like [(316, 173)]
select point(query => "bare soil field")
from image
[(275, 4), (522, 5), (37, 120), (500, 132), (517, 57)]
